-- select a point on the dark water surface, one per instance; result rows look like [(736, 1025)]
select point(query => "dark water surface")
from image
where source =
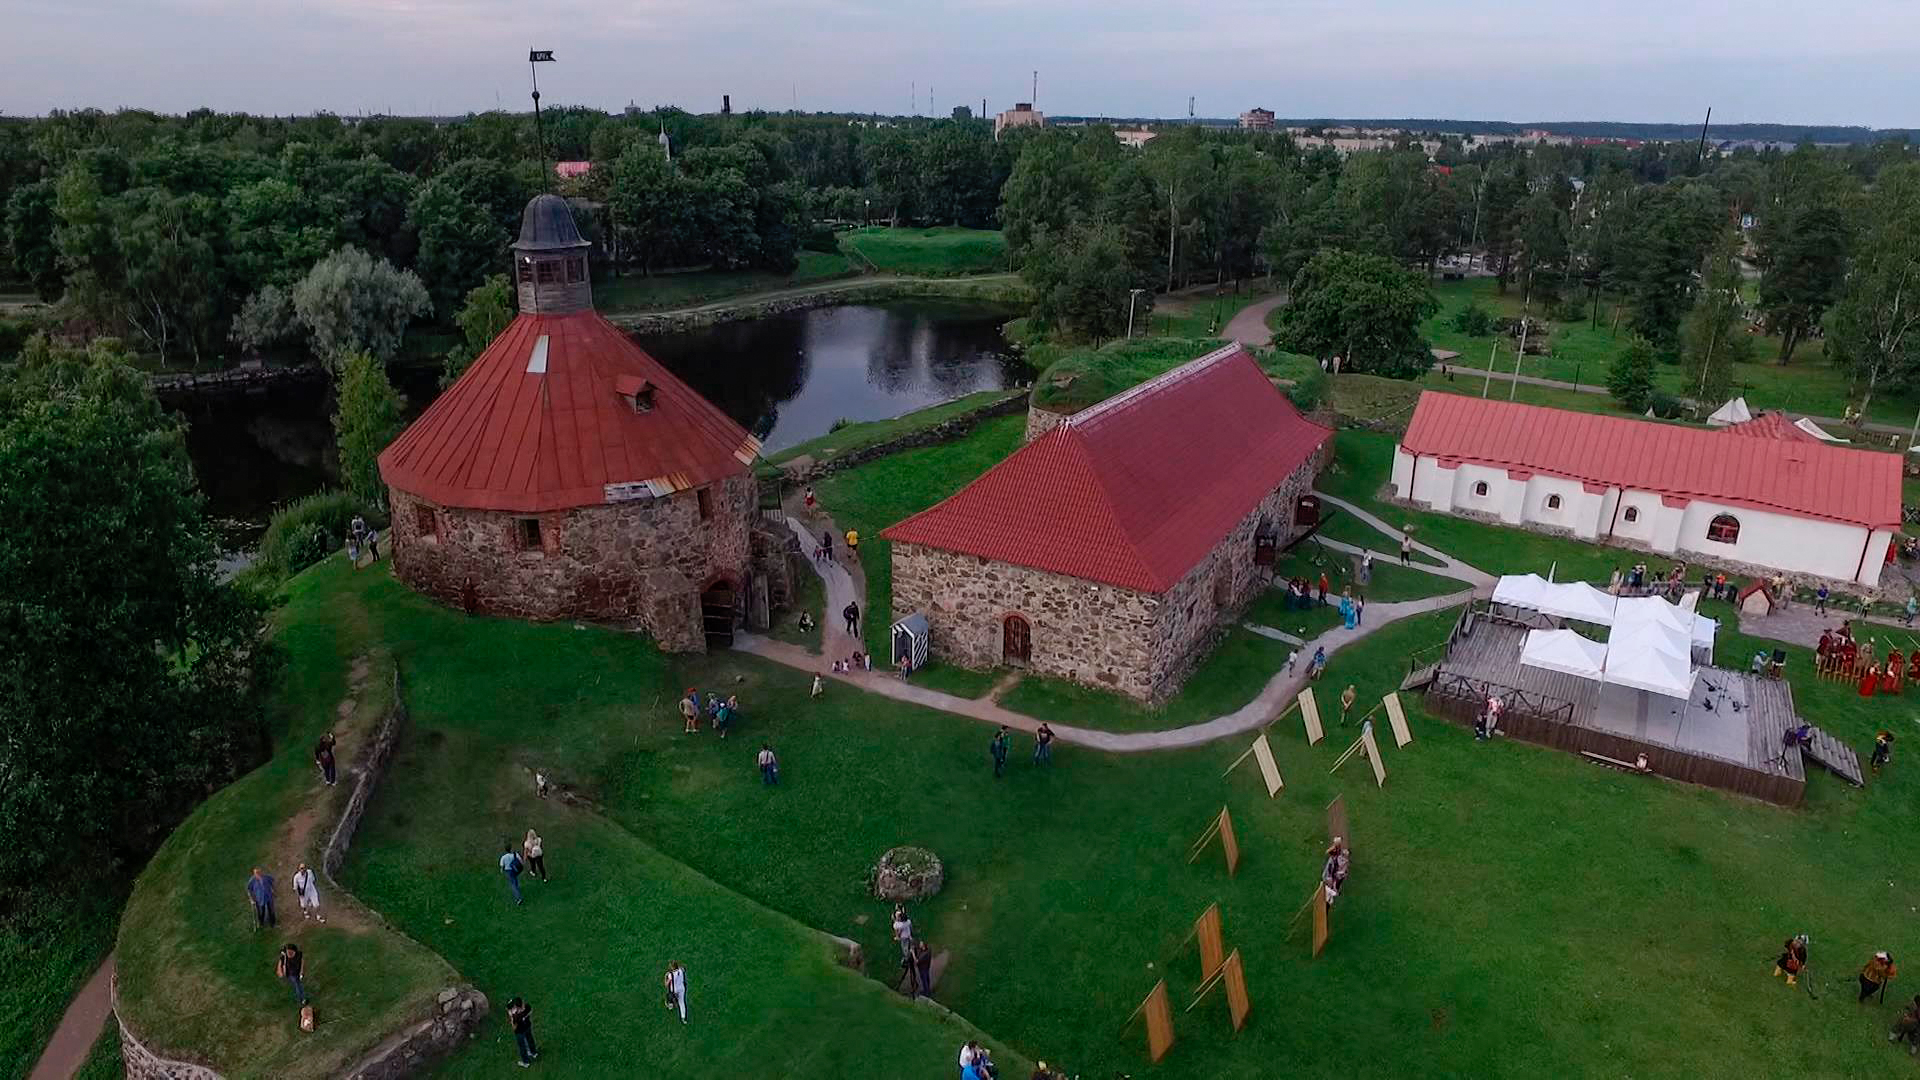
[(786, 378)]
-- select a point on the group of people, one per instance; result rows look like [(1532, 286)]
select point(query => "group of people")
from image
[(360, 537), (1637, 580), (718, 711), (1002, 743), (531, 859), (1873, 977), (290, 962), (1839, 656), (1333, 873), (916, 957)]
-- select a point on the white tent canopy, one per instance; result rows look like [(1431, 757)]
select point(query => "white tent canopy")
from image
[(1520, 590), (1564, 651), (1733, 412), (1647, 664), (1703, 631), (1807, 425), (1565, 600)]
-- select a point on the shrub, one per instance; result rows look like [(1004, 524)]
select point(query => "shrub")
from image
[(1664, 405), (305, 531), (821, 238), (1473, 320)]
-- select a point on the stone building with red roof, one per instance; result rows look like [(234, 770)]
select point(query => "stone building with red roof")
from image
[(568, 475), (1763, 496), (1107, 550)]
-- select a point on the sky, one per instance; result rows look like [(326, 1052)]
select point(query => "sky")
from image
[(1787, 61)]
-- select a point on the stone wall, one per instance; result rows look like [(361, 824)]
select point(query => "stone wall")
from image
[(953, 427), (1040, 421), (1006, 289), (644, 561), (371, 766), (1137, 644), (456, 1013), (143, 1063)]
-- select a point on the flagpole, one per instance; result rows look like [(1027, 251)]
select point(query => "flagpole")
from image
[(536, 57)]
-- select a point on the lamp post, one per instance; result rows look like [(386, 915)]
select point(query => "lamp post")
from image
[(866, 219), (1133, 296)]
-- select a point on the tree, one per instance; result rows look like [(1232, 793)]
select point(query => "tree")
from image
[(1873, 329), (1807, 263), (1711, 336), (1542, 233), (1364, 308), (265, 320), (465, 218), (1047, 189), (30, 223), (651, 209), (1630, 377), (369, 419), (351, 301), (1082, 282), (486, 313), (134, 679), (1677, 227)]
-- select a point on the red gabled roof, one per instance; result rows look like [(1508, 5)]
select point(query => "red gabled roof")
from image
[(1137, 490), (1809, 479), (1769, 425), (522, 431)]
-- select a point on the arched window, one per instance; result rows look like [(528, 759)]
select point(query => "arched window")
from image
[(1724, 529), (1553, 502), (1633, 514), (1480, 488)]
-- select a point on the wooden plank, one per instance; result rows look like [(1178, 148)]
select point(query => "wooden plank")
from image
[(1320, 933), (1337, 822), (1373, 756), (1269, 770), (1228, 843), (1310, 712), (1237, 1004), (1397, 719), (1212, 948), (1159, 1023)]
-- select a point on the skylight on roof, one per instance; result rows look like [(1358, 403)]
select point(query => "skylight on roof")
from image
[(537, 363)]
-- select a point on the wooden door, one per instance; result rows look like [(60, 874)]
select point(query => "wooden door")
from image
[(1016, 641)]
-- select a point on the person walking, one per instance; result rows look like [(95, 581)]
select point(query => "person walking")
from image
[(1907, 1028), (323, 757), (1820, 601), (510, 865), (533, 851), (1293, 657), (1406, 549), (1913, 606), (1882, 750), (809, 501), (998, 748), (308, 893), (851, 613), (676, 983), (291, 966), (818, 686), (903, 931), (853, 545), (1792, 959), (1366, 567), (353, 552), (1324, 584), (1318, 665), (690, 712), (769, 766), (826, 543), (1875, 976), (1359, 608), (373, 544), (260, 892), (1347, 698), (1043, 745), (520, 1015), (923, 967)]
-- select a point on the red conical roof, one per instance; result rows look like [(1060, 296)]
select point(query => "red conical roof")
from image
[(545, 419)]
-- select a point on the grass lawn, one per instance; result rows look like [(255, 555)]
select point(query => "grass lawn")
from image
[(859, 436), (43, 967), (104, 1061), (1390, 581), (958, 681), (1231, 675), (194, 974), (1085, 376), (936, 252), (661, 291), (873, 496), (1513, 912), (809, 594)]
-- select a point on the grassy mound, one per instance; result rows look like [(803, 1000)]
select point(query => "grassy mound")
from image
[(1085, 376), (935, 252)]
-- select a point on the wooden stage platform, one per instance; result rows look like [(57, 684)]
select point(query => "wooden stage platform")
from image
[(1729, 735)]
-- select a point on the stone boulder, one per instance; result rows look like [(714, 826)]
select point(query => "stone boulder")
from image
[(906, 873)]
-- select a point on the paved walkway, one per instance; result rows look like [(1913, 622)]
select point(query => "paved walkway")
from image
[(1249, 327), (1449, 566), (80, 1027), (843, 585)]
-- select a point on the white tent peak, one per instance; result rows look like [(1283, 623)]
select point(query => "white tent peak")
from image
[(1733, 412)]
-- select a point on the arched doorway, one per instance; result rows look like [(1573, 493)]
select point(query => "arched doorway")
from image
[(720, 613), (1016, 641), (1306, 511)]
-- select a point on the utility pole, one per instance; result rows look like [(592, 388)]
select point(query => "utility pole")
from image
[(913, 98), (1526, 323), (1133, 296), (1700, 156), (1035, 95)]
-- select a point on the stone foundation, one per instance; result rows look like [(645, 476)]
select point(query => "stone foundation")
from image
[(1040, 421), (644, 562), (456, 1013), (143, 1063)]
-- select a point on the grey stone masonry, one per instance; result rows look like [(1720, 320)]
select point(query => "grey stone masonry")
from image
[(143, 1063), (456, 1013)]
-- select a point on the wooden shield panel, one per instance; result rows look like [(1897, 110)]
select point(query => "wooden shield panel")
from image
[(1212, 949), (1310, 712), (1227, 842), (1237, 1004), (1319, 919), (1159, 1022), (1337, 822), (1269, 771), (1373, 757), (1397, 719)]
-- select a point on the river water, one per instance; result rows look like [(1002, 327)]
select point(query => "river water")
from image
[(786, 378)]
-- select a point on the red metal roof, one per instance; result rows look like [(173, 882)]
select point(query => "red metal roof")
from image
[(1769, 425), (1809, 479), (532, 428), (1137, 490)]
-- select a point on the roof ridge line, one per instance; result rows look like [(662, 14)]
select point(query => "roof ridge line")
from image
[(1125, 397)]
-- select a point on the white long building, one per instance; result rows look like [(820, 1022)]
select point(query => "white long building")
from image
[(1760, 495)]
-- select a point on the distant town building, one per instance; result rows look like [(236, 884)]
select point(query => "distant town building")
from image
[(1109, 549), (568, 475), (568, 170), (1256, 120), (1134, 140), (1021, 115)]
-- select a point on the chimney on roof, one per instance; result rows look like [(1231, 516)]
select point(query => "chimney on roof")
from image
[(550, 260)]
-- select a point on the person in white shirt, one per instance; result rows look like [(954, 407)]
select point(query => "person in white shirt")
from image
[(903, 930), (676, 982), (308, 892), (969, 1055)]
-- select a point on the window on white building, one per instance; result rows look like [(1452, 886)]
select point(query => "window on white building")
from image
[(1480, 488), (1724, 529), (1553, 502), (1633, 514)]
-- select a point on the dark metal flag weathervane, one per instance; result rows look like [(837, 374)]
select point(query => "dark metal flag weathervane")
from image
[(539, 56)]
